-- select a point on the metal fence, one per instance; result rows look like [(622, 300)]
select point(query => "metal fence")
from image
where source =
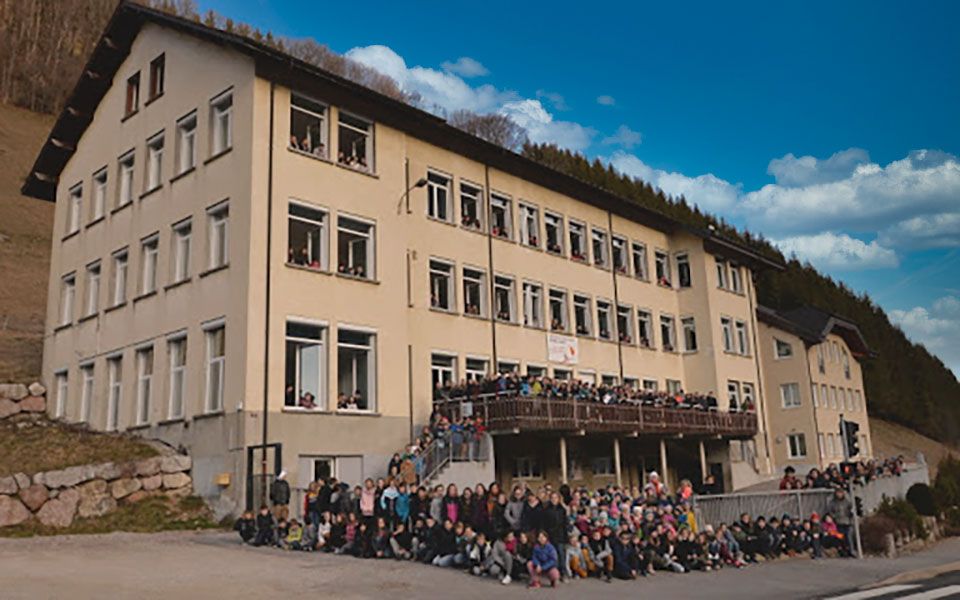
[(727, 508)]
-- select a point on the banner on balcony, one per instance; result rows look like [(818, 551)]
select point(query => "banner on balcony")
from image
[(562, 349)]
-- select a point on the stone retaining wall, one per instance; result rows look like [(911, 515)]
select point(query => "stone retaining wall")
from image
[(56, 498), (16, 398)]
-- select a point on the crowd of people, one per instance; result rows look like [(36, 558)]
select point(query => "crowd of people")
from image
[(544, 535), (839, 475), (569, 389)]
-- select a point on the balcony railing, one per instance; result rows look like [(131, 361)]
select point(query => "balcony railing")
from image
[(515, 413)]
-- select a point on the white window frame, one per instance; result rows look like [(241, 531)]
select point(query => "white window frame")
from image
[(625, 324), (733, 395), (145, 369), (726, 334), (599, 240), (638, 258), (668, 342), (221, 123), (370, 154), (474, 276), (318, 148), (577, 230), (87, 390), (177, 346), (504, 204), (782, 350), (98, 199), (215, 366), (154, 174), (814, 395), (218, 236), (371, 349), (743, 337), (533, 304), (736, 279), (61, 387), (559, 295), (683, 264), (320, 342), (182, 242), (584, 303), (472, 194), (618, 254), (689, 326), (367, 238), (68, 296), (529, 224), (442, 269), (604, 319), (527, 467), (114, 391), (790, 395), (125, 178), (120, 263), (650, 385), (317, 220), (476, 368), (747, 394), (443, 368), (721, 274), (555, 221), (149, 261), (187, 143), (94, 274), (796, 446), (439, 194), (645, 321), (74, 209), (503, 284)]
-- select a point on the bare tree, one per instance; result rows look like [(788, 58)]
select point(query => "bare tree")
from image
[(495, 128)]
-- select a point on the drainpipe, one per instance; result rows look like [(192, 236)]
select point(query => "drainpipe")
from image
[(493, 320), (616, 296), (266, 337), (761, 395)]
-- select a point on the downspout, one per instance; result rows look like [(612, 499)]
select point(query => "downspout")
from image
[(761, 395), (493, 319), (266, 337), (616, 297), (406, 186)]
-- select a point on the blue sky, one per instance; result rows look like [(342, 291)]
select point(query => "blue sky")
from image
[(832, 128)]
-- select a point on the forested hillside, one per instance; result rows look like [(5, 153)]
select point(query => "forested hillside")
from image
[(44, 44)]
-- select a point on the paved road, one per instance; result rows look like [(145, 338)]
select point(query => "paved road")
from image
[(214, 565), (944, 586)]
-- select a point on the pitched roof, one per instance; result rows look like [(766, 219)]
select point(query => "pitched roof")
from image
[(271, 64), (812, 324)]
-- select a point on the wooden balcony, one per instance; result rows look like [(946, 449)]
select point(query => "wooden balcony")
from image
[(516, 414)]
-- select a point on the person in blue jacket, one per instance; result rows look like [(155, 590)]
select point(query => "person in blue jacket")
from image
[(543, 562)]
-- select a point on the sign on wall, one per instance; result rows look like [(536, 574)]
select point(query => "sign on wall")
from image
[(562, 349)]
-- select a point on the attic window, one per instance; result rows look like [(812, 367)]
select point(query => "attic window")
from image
[(133, 95), (156, 76)]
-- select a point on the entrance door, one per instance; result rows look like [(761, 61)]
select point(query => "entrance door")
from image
[(258, 479)]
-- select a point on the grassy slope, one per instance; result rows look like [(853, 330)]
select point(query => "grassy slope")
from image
[(890, 439), (25, 228)]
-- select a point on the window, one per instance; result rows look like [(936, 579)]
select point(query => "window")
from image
[(599, 243), (501, 219), (782, 349), (125, 194), (645, 328), (820, 363), (814, 396), (562, 374), (587, 376), (689, 334), (181, 251), (132, 104), (833, 397), (68, 292), (144, 384), (619, 254), (438, 197), (187, 143), (603, 320), (650, 385), (859, 400), (93, 289), (156, 76), (306, 236), (526, 467), (625, 324), (99, 203), (218, 236), (86, 392), (216, 366), (154, 162), (847, 399), (470, 207), (736, 282), (726, 326), (119, 277), (308, 126), (721, 274), (796, 445), (221, 123), (790, 395), (824, 396), (846, 364), (532, 304), (668, 333), (822, 443), (355, 142), (733, 395), (558, 310), (443, 370), (683, 270), (834, 352), (149, 249), (476, 369), (504, 298), (747, 393), (61, 386), (662, 263), (306, 359), (578, 241), (508, 367), (832, 444), (581, 315), (536, 371), (674, 386), (74, 209), (355, 251), (474, 294), (743, 342), (639, 252), (602, 465), (355, 370), (554, 226), (177, 354), (441, 285), (631, 383), (114, 391), (529, 225)]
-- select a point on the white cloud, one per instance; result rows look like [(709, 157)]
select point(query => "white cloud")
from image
[(624, 137), (937, 328), (465, 67), (557, 101), (606, 100), (928, 231), (793, 171), (829, 250), (870, 198), (707, 191), (541, 127)]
